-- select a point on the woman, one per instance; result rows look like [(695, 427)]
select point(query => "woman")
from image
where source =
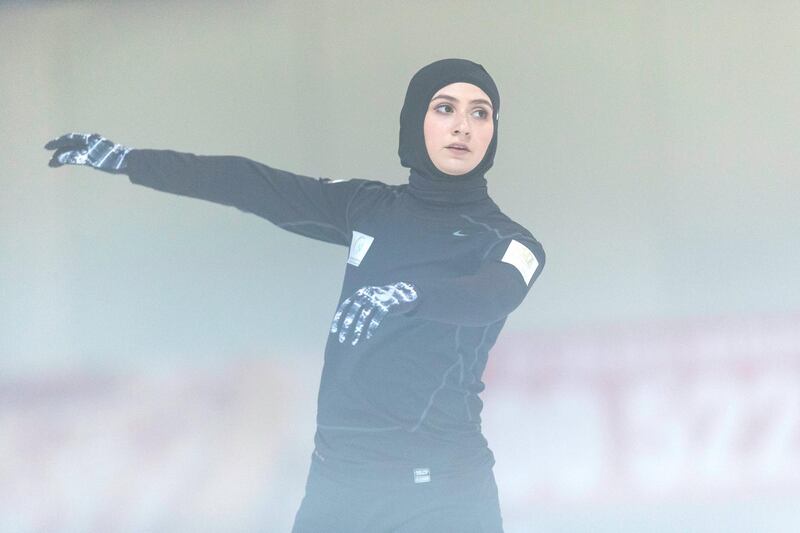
[(434, 268)]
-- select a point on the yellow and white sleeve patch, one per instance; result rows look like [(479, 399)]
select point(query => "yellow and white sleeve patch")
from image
[(518, 255)]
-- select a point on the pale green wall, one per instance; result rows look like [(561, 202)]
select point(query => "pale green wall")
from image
[(651, 146)]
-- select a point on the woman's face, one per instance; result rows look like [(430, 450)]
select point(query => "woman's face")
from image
[(458, 127)]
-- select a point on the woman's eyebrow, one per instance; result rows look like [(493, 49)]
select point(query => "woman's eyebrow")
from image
[(454, 99)]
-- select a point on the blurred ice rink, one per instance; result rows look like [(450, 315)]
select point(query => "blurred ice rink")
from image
[(661, 427)]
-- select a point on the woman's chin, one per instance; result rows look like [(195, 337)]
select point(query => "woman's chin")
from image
[(455, 170)]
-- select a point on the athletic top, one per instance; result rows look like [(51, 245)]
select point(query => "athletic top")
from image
[(407, 398)]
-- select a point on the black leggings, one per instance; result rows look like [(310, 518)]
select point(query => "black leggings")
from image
[(466, 503)]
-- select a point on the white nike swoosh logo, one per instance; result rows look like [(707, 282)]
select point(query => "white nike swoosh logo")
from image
[(459, 233)]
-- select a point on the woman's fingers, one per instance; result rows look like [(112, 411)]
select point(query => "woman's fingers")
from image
[(362, 321), (68, 156), (376, 321), (68, 140), (338, 315), (349, 318)]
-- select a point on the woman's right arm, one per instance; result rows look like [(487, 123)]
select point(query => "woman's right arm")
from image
[(314, 207)]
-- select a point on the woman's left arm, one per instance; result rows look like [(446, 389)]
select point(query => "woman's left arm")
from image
[(479, 299), (490, 294)]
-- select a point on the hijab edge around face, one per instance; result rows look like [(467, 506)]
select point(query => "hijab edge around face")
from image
[(421, 89)]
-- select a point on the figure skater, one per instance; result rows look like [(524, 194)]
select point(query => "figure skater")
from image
[(433, 270)]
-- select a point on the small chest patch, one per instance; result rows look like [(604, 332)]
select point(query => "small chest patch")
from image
[(518, 255), (422, 475), (359, 247)]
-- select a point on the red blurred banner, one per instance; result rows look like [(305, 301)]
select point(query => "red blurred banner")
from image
[(675, 411)]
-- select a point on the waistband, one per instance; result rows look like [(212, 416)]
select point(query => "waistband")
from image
[(376, 474)]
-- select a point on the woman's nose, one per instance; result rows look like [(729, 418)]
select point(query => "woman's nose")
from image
[(461, 125)]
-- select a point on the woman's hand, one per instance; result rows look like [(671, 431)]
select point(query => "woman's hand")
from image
[(88, 149), (370, 305)]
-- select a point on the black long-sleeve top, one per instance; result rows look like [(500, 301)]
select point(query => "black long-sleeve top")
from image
[(407, 397)]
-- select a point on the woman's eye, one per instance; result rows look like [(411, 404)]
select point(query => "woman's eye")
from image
[(481, 113), (444, 108)]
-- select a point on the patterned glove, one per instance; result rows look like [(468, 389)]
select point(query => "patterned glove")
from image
[(88, 149), (371, 305)]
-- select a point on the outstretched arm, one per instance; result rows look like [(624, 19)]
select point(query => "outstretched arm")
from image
[(314, 207)]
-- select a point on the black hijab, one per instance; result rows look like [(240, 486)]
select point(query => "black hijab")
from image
[(427, 182)]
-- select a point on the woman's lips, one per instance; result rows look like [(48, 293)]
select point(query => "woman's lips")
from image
[(457, 149)]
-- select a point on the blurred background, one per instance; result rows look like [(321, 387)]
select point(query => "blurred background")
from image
[(159, 356)]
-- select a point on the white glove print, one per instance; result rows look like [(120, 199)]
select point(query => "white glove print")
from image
[(368, 306)]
